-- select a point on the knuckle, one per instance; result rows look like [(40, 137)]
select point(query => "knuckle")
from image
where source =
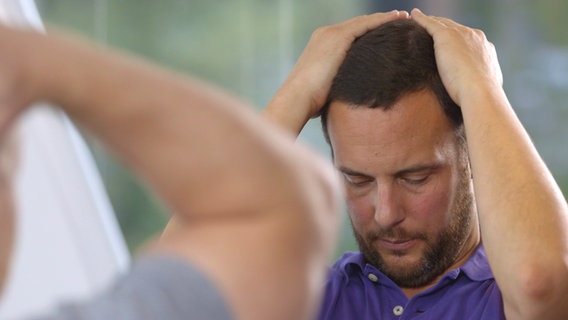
[(323, 32), (479, 33)]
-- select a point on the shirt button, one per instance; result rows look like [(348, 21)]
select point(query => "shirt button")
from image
[(398, 310), (373, 277)]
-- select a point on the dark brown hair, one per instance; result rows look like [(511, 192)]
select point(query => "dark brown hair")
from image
[(387, 63)]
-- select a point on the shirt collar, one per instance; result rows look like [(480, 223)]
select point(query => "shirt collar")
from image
[(351, 262), (477, 266)]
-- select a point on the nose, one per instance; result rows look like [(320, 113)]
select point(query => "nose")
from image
[(388, 209)]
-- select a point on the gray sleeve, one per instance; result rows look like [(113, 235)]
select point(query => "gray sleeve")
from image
[(155, 288)]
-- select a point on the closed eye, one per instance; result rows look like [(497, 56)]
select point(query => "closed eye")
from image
[(357, 181), (415, 180), (418, 175), (354, 178)]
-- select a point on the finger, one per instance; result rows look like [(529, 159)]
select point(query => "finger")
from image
[(430, 23), (433, 23), (360, 25)]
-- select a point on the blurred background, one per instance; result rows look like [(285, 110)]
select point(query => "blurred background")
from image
[(249, 47)]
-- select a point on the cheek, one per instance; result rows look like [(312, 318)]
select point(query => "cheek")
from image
[(432, 208), (361, 211)]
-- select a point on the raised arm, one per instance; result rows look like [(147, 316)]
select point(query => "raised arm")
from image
[(305, 91), (256, 212), (522, 212)]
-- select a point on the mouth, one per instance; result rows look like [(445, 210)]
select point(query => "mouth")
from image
[(396, 244)]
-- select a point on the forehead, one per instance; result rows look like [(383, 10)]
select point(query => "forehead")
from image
[(413, 130)]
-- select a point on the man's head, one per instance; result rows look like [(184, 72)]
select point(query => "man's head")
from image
[(386, 63), (398, 139)]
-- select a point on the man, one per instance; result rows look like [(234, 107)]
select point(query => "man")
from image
[(255, 213), (448, 227)]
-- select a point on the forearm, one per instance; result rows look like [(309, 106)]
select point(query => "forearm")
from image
[(174, 131), (289, 109), (521, 209)]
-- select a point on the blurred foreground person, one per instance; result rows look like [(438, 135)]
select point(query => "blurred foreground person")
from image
[(255, 214)]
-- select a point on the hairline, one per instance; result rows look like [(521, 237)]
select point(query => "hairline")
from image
[(457, 128)]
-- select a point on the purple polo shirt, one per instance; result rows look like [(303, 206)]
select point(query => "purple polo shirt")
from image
[(357, 290)]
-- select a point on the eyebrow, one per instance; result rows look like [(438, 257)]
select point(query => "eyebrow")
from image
[(418, 168), (410, 170), (352, 172)]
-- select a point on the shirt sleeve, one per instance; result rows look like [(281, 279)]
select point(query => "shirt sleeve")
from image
[(155, 288)]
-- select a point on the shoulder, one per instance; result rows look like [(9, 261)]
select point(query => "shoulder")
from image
[(157, 287), (171, 289)]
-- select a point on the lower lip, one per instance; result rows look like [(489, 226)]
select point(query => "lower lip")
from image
[(397, 246)]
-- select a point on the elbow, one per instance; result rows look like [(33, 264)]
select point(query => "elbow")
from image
[(318, 192), (543, 292), (322, 189)]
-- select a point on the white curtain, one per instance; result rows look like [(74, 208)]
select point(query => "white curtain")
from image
[(68, 243)]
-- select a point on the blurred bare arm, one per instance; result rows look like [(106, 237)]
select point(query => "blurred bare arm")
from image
[(255, 212)]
